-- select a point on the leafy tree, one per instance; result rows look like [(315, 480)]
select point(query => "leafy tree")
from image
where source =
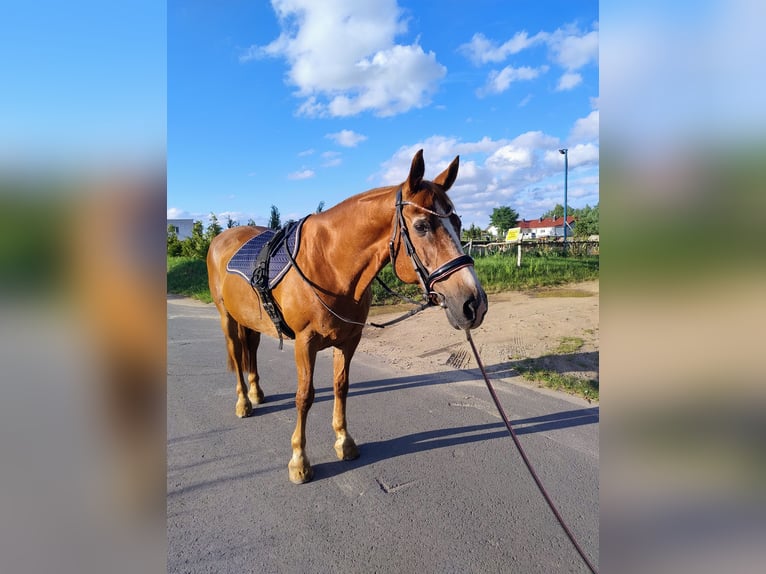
[(231, 222), (174, 244), (503, 218), (195, 245), (274, 221), (587, 221), (556, 212), (251, 222), (213, 228), (472, 232)]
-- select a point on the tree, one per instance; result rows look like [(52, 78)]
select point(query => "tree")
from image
[(251, 222), (320, 207), (503, 218), (472, 232), (587, 221), (213, 228), (195, 245), (557, 212), (231, 222), (174, 244), (274, 222)]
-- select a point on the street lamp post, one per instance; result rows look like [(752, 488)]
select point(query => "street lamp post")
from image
[(565, 153)]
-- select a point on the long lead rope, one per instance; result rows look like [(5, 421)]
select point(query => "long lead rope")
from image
[(525, 459)]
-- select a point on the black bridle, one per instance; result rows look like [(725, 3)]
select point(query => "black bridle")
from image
[(427, 280)]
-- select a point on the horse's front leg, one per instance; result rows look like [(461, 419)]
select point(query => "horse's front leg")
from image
[(299, 468), (345, 447)]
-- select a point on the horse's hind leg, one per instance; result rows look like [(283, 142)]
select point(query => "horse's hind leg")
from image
[(345, 447), (251, 341), (237, 352)]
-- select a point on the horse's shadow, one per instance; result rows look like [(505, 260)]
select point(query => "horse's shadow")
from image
[(377, 451)]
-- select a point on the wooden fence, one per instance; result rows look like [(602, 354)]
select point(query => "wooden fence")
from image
[(575, 247)]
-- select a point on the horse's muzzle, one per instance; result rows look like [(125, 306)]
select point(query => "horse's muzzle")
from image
[(466, 313), (475, 308)]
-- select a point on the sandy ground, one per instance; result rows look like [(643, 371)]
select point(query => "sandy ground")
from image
[(528, 325)]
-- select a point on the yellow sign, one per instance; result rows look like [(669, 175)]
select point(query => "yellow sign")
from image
[(514, 234)]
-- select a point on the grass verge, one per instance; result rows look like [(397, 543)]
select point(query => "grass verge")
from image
[(188, 276), (497, 273), (533, 370)]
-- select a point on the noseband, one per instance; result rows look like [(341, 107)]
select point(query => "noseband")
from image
[(427, 280)]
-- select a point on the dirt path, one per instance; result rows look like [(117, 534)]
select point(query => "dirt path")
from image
[(518, 326)]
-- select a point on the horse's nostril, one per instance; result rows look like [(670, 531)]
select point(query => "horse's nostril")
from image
[(469, 308)]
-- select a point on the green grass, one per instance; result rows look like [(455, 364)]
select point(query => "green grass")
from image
[(586, 388), (497, 273), (531, 370), (569, 345), (188, 276)]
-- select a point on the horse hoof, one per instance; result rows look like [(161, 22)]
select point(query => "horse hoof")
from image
[(256, 398), (346, 449), (300, 473), (243, 409)]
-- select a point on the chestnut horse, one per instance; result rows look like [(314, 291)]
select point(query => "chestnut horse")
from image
[(326, 300)]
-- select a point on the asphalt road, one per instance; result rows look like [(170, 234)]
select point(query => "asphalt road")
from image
[(439, 486)]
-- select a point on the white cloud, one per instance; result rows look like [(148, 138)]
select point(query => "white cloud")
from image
[(583, 155), (586, 129), (573, 50), (498, 82), (481, 50), (302, 174), (344, 61), (510, 158), (346, 138), (176, 213), (331, 159), (525, 172), (568, 48), (569, 80)]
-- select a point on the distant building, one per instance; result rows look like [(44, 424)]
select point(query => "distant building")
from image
[(183, 227), (545, 227)]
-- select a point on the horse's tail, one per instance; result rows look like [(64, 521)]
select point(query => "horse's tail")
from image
[(251, 342), (246, 345), (230, 363)]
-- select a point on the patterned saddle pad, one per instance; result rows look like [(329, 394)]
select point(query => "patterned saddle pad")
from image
[(243, 261)]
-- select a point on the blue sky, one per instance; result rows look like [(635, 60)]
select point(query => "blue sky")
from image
[(83, 85), (294, 102)]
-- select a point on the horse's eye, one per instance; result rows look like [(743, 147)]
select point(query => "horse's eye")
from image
[(422, 226)]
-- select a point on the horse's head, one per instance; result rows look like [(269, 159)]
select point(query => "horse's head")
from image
[(427, 229)]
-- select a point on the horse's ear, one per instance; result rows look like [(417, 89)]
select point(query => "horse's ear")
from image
[(417, 169), (449, 175)]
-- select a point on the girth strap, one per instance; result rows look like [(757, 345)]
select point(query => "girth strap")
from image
[(260, 282)]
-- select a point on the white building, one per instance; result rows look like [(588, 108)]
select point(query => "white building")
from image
[(183, 227), (548, 227)]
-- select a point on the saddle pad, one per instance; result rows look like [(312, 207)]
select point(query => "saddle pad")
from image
[(243, 261)]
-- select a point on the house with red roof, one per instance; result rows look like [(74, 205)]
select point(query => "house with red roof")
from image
[(545, 227)]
